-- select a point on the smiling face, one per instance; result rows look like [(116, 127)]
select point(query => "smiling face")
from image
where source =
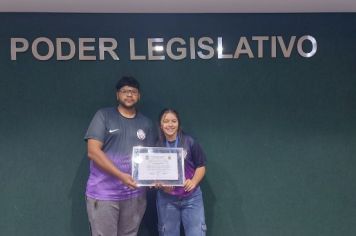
[(169, 125)]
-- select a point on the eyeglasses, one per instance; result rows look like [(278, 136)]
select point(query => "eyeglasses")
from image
[(133, 92)]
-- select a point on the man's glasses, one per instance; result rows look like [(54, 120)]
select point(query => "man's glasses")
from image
[(133, 92)]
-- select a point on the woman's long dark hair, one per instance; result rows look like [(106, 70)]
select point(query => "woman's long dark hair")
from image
[(161, 136)]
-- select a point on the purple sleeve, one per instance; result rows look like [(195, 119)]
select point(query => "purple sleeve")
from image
[(198, 155)]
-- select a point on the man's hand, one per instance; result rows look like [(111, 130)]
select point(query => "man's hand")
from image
[(128, 181)]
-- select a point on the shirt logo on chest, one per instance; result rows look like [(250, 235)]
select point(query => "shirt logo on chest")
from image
[(113, 130), (141, 134)]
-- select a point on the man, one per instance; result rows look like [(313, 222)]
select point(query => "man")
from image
[(115, 204)]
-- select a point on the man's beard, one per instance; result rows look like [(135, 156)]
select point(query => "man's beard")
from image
[(125, 106)]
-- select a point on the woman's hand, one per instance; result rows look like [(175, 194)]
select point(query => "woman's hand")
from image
[(189, 185)]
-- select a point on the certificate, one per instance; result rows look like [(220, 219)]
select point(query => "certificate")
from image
[(158, 165)]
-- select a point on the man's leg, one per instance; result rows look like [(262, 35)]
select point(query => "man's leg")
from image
[(103, 217), (131, 213)]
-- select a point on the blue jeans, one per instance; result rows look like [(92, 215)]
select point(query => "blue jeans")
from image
[(172, 210)]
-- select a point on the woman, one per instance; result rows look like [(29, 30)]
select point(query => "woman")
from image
[(181, 204)]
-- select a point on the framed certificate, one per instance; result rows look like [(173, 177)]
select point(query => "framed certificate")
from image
[(158, 165)]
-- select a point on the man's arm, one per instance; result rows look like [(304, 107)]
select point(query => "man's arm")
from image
[(96, 154)]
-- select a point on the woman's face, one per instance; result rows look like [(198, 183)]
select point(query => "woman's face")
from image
[(169, 126)]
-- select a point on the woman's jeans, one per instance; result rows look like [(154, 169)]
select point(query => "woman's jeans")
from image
[(172, 210)]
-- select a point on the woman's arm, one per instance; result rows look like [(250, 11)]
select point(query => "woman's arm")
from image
[(192, 183)]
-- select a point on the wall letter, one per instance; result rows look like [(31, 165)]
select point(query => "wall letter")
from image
[(59, 43), (83, 48), (300, 46), (182, 52), (15, 49)]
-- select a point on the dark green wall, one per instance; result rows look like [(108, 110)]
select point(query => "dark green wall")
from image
[(279, 133)]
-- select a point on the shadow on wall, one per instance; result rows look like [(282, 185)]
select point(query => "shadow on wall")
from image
[(209, 203), (79, 220), (223, 206), (233, 201)]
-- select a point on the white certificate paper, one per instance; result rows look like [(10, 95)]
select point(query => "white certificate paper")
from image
[(158, 166)]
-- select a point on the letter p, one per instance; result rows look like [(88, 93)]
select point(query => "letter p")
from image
[(18, 45)]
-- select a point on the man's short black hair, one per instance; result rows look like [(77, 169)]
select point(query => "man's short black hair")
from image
[(127, 81)]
